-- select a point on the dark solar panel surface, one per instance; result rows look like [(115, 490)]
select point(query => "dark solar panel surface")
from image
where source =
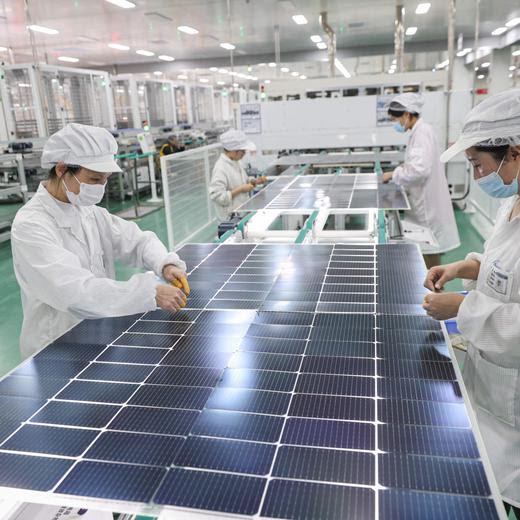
[(270, 405)]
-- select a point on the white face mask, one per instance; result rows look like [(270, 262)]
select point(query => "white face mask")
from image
[(89, 194)]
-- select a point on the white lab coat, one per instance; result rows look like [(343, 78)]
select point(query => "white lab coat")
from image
[(227, 175), (423, 177), (489, 318), (64, 262)]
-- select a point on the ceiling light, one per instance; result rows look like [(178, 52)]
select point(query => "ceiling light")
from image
[(221, 82), (267, 81), (119, 47), (513, 22), (485, 65), (41, 29), (254, 78), (235, 85), (261, 64), (391, 71), (3, 49), (272, 64), (165, 57), (228, 46), (303, 76), (410, 31), (213, 69), (498, 31), (68, 59), (342, 68), (516, 53), (423, 8), (187, 29), (321, 45), (463, 52), (204, 80), (299, 19), (157, 72), (285, 69), (125, 4), (182, 76), (481, 76), (512, 67), (223, 71), (316, 38), (24, 85), (145, 53), (295, 73), (443, 64)]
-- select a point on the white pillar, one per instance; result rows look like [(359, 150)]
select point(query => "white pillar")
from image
[(499, 73)]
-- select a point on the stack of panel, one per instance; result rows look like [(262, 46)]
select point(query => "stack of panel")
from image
[(301, 382)]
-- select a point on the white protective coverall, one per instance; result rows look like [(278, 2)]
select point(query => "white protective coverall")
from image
[(423, 178), (227, 175), (489, 318), (63, 259)]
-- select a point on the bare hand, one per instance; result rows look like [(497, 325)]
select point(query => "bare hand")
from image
[(439, 275), (170, 298), (387, 177), (260, 180), (177, 277), (442, 306), (246, 188)]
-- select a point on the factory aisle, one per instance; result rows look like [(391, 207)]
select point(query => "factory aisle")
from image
[(11, 307)]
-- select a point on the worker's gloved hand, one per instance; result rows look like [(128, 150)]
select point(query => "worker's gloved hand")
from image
[(442, 306), (439, 275), (177, 277), (246, 188), (170, 298), (387, 177)]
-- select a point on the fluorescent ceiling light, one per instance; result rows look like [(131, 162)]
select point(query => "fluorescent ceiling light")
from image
[(187, 29), (516, 53), (157, 72), (285, 69), (165, 57), (145, 53), (235, 85), (24, 85), (391, 71), (410, 31), (204, 80), (342, 68), (303, 76), (41, 29), (213, 69), (299, 19), (119, 47), (294, 73), (221, 82), (261, 64), (228, 46), (125, 4), (68, 59), (3, 49), (481, 76), (316, 38), (443, 64), (272, 64), (423, 8), (498, 31), (463, 52), (223, 71), (182, 76), (267, 81), (485, 65), (512, 67), (321, 45), (513, 22)]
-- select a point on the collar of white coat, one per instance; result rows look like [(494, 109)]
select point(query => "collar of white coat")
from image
[(235, 164), (419, 122), (65, 215)]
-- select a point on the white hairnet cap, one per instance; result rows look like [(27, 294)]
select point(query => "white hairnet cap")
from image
[(82, 145), (409, 101), (236, 140), (494, 122)]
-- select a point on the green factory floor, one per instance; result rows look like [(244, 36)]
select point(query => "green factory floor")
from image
[(10, 304)]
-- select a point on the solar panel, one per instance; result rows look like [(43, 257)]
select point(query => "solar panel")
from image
[(312, 393)]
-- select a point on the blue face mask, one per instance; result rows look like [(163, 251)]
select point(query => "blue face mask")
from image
[(494, 186), (398, 127)]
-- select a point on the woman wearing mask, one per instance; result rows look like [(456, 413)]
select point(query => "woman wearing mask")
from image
[(64, 246), (489, 316), (423, 177)]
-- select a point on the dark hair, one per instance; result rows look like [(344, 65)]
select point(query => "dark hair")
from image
[(70, 168), (497, 152), (398, 113)]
